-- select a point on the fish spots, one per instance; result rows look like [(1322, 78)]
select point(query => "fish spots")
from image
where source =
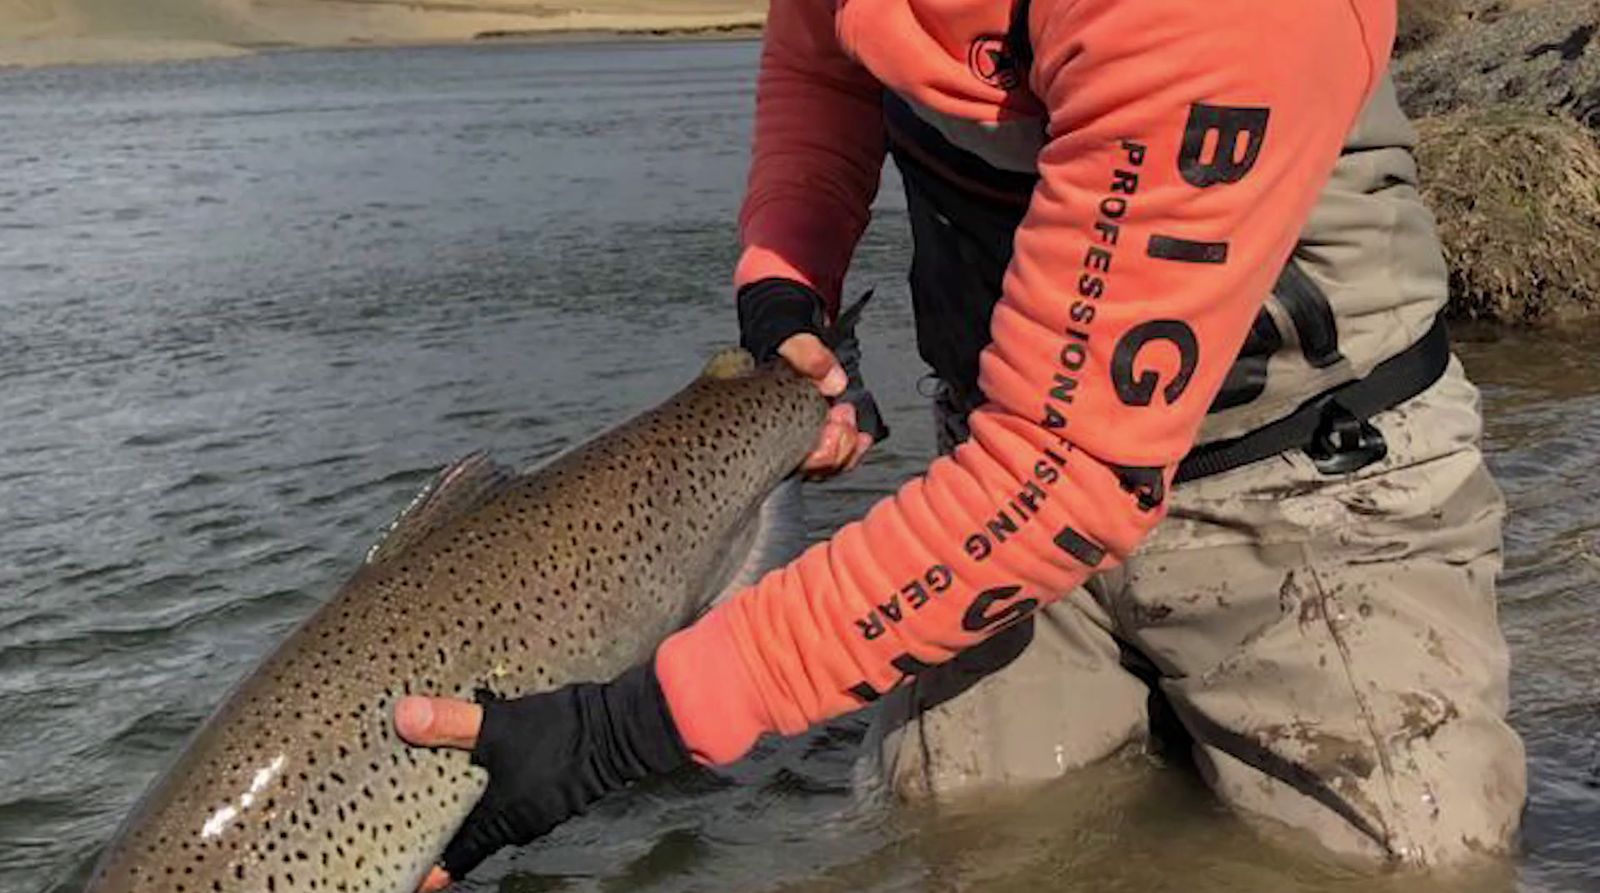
[(572, 571)]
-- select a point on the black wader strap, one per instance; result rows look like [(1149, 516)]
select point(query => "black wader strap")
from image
[(1393, 382), (1019, 42)]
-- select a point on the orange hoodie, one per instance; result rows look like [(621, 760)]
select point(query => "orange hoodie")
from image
[(1183, 145)]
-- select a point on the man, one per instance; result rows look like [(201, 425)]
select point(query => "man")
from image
[(1170, 262)]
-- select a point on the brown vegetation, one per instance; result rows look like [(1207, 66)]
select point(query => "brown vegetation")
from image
[(1423, 20), (1504, 93), (1517, 194)]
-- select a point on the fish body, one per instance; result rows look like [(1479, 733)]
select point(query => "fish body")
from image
[(511, 582)]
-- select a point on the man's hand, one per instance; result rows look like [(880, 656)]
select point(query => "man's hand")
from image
[(783, 318), (438, 722), (841, 446), (549, 756)]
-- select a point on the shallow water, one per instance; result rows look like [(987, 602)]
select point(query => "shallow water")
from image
[(249, 306)]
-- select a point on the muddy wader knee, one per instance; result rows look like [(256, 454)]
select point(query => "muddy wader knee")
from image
[(1319, 604), (1332, 645)]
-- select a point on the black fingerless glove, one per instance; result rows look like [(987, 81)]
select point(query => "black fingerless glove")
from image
[(551, 755), (771, 311)]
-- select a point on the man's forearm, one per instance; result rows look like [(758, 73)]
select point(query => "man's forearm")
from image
[(817, 157)]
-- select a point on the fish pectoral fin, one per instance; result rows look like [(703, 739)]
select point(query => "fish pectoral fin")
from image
[(773, 538), (461, 487), (841, 336)]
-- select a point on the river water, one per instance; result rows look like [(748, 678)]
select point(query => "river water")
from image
[(247, 307)]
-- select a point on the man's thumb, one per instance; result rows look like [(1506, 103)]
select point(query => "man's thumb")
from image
[(438, 722), (811, 358)]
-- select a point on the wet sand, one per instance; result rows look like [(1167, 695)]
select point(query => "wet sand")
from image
[(74, 32)]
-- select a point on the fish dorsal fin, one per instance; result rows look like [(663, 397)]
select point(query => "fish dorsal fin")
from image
[(731, 362), (461, 487)]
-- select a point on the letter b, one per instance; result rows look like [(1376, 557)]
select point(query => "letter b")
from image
[(1229, 162)]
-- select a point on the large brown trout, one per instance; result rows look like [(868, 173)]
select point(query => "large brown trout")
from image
[(510, 582)]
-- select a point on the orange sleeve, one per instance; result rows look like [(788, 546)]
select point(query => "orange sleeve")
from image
[(818, 154), (1186, 146)]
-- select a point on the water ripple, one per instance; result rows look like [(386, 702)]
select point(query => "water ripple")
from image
[(253, 306)]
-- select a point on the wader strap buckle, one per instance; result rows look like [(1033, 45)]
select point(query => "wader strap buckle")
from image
[(1344, 444), (1332, 429)]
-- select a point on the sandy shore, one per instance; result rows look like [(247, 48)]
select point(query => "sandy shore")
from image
[(62, 32)]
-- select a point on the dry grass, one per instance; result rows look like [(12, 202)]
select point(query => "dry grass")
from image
[(1423, 20), (1517, 194)]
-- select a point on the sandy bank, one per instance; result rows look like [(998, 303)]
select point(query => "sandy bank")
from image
[(44, 32)]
